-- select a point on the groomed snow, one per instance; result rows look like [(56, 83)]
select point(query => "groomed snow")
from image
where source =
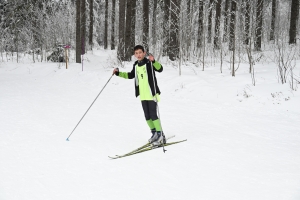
[(243, 141)]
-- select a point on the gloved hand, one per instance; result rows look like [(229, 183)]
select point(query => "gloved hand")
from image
[(116, 71)]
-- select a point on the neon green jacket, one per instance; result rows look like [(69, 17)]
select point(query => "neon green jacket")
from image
[(157, 67)]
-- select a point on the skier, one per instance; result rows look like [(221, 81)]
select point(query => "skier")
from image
[(143, 72)]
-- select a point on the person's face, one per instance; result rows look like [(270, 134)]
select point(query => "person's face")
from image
[(139, 54)]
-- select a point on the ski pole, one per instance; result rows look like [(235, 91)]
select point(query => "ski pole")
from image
[(89, 108), (152, 70)]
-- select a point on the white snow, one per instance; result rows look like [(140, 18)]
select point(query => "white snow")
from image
[(243, 141)]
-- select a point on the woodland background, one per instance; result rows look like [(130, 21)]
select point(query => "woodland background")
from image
[(202, 32)]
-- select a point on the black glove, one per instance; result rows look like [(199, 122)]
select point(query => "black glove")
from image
[(116, 71)]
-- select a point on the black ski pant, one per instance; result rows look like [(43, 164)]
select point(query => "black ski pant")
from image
[(150, 111)]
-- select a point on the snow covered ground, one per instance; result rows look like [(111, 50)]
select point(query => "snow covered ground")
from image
[(243, 141)]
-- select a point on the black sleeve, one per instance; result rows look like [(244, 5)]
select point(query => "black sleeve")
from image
[(131, 74)]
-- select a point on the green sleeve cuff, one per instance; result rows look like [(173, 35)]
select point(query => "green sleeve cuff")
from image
[(123, 75), (157, 65)]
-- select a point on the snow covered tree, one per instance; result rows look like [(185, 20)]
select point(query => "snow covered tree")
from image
[(22, 24), (180, 30)]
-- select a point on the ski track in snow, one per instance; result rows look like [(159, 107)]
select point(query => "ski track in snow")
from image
[(243, 141)]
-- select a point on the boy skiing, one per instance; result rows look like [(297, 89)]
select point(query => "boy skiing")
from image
[(146, 87)]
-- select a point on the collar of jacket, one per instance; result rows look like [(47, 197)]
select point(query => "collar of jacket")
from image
[(142, 62)]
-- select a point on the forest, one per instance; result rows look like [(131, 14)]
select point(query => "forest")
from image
[(228, 87), (202, 32)]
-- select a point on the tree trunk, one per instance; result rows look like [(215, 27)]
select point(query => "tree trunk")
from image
[(121, 44), (154, 22), (188, 7), (273, 20), (211, 5), (189, 30), (78, 25), (112, 46), (130, 29), (217, 25), (83, 26), (232, 34), (232, 26), (226, 17), (247, 22), (294, 20), (174, 30), (146, 24), (106, 25), (91, 29), (200, 22), (259, 20), (166, 40)]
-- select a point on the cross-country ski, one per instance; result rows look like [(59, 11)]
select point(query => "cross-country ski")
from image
[(145, 148)]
